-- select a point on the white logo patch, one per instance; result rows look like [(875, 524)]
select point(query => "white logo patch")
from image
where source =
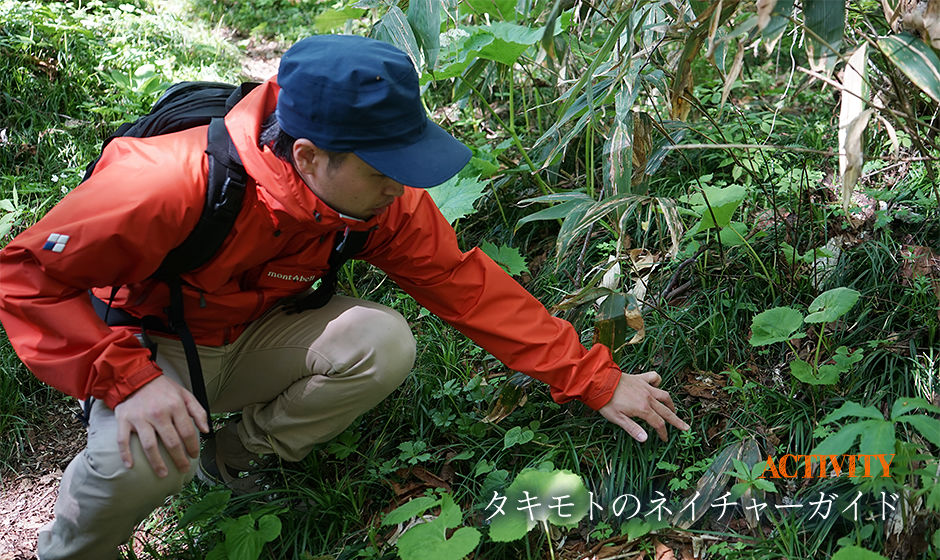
[(56, 243)]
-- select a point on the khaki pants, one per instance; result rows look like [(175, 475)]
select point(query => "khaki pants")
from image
[(299, 380)]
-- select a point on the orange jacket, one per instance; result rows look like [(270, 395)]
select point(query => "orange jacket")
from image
[(144, 198)]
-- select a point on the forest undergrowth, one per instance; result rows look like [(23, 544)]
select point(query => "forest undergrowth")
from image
[(742, 199)]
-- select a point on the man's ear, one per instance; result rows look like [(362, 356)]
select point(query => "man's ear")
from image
[(305, 154)]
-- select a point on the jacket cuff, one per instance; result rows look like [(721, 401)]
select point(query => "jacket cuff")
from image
[(604, 390), (127, 386)]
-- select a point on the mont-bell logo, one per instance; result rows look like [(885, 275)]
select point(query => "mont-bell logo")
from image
[(56, 243)]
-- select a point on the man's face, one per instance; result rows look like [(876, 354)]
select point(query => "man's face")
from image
[(354, 188)]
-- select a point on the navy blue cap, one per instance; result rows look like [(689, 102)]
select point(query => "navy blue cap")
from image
[(347, 93)]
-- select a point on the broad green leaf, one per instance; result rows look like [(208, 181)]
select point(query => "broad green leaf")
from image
[(509, 258), (927, 426), (395, 30), (915, 59), (878, 438), (455, 198), (427, 541), (425, 19), (450, 516), (244, 542), (906, 404), (218, 552), (211, 504), (825, 24), (502, 10), (720, 206), (856, 553), (841, 441), (517, 436), (331, 19), (6, 224), (831, 305), (776, 325), (844, 360), (827, 375), (557, 497), (803, 371), (733, 234), (852, 409), (636, 528), (410, 510)]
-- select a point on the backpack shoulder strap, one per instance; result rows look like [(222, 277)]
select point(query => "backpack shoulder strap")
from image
[(224, 194), (348, 244)]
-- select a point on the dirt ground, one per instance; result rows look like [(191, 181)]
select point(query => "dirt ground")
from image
[(30, 483)]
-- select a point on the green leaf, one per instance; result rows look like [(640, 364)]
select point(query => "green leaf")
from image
[(927, 426), (557, 497), (502, 10), (856, 553), (776, 325), (244, 542), (723, 202), (455, 198), (559, 211), (428, 541), (906, 404), (828, 375), (636, 528), (851, 409), (841, 441), (509, 258), (844, 361), (410, 510), (733, 234), (915, 59), (331, 19), (878, 438), (395, 30), (831, 305), (517, 436), (425, 19), (825, 21), (210, 505)]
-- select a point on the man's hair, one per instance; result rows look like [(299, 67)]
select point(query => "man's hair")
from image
[(282, 144)]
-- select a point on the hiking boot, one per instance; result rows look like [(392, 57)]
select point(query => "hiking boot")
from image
[(225, 460)]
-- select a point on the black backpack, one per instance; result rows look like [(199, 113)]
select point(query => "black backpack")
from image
[(187, 105)]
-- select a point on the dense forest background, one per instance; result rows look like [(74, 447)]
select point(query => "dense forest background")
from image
[(741, 196)]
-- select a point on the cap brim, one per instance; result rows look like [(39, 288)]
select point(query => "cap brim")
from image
[(430, 161)]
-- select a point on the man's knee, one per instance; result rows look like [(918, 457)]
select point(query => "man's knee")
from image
[(393, 344)]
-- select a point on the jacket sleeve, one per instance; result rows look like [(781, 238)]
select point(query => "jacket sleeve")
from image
[(418, 249), (109, 231)]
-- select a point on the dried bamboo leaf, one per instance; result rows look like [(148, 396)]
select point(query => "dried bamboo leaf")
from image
[(924, 18), (854, 99), (854, 157), (736, 67)]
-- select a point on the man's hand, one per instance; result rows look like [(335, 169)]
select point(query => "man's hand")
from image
[(165, 410), (638, 396)]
